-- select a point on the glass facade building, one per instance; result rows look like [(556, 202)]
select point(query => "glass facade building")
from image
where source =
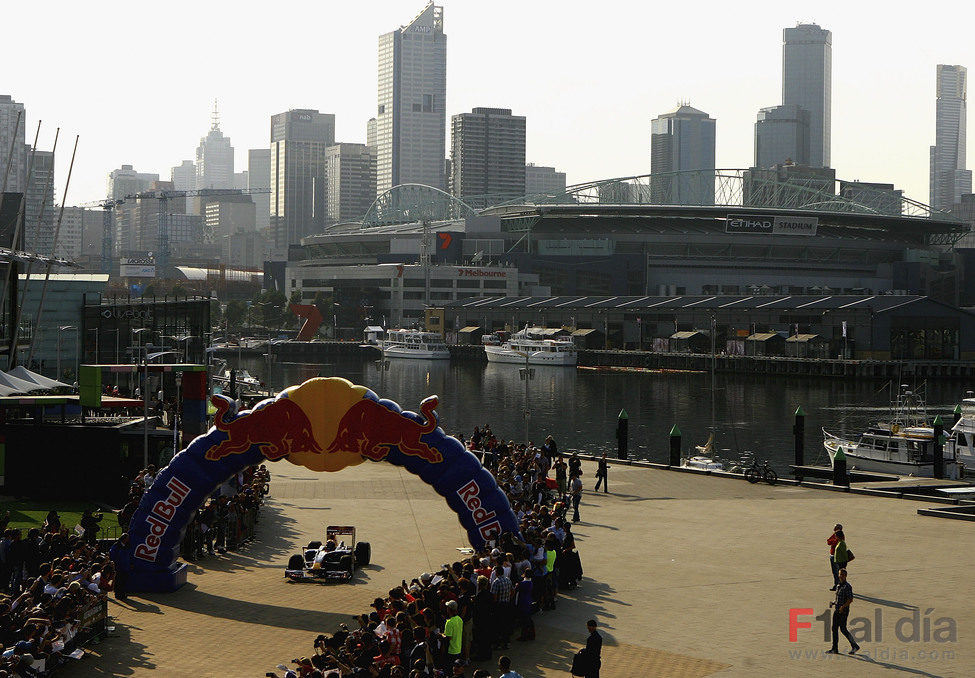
[(411, 116), (948, 178), (680, 141), (807, 65)]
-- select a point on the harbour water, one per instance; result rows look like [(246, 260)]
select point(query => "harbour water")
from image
[(579, 408)]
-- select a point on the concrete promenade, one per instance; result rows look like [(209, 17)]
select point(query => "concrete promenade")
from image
[(687, 575)]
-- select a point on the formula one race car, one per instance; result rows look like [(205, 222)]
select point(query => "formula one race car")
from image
[(335, 560)]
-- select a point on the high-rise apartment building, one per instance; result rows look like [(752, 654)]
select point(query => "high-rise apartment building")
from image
[(487, 154), (682, 141), (411, 117), (299, 166), (259, 179), (215, 158), (39, 214), (807, 66), (782, 136), (351, 181), (948, 178), (13, 124), (541, 180), (126, 181)]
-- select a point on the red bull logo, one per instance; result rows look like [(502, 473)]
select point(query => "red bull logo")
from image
[(278, 429), (371, 430)]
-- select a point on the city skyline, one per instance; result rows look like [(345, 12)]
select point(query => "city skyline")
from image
[(587, 87)]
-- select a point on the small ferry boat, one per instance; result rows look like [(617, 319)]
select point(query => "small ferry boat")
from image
[(414, 344), (963, 434), (903, 446), (530, 344)]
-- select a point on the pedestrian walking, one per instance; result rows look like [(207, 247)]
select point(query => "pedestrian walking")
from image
[(575, 489), (841, 612), (832, 541), (842, 555), (601, 475)]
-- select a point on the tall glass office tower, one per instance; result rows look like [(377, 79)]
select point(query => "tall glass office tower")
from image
[(411, 119), (807, 65), (948, 177)]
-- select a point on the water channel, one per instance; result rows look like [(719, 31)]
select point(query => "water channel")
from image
[(579, 408)]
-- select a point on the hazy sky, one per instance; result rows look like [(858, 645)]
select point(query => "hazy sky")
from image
[(137, 80)]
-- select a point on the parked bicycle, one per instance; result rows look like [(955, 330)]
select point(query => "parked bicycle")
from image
[(762, 471)]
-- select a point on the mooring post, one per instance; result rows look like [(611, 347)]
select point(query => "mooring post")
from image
[(622, 434), (799, 431), (840, 476), (675, 446), (939, 448)]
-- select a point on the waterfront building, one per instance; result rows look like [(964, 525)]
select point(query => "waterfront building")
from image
[(125, 181), (682, 141), (259, 179), (215, 158), (411, 116), (807, 65), (948, 178), (487, 154), (541, 180), (351, 172), (40, 216), (13, 123), (298, 176), (782, 136)]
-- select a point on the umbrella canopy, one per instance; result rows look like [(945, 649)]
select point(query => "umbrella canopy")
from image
[(21, 372)]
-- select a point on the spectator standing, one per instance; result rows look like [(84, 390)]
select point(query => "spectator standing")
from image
[(502, 590), (841, 555), (575, 489), (594, 650), (832, 541), (504, 666), (89, 523), (454, 631)]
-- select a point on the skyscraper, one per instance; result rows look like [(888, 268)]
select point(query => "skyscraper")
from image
[(299, 167), (215, 157), (781, 136), (948, 177), (487, 154), (351, 181), (682, 141), (807, 65), (39, 213), (183, 176), (411, 118), (259, 178), (126, 181), (12, 130)]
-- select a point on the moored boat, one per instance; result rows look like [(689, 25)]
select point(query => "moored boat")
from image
[(414, 344), (530, 345), (903, 446)]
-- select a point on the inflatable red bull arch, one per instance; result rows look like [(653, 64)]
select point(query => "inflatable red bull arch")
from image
[(324, 424)]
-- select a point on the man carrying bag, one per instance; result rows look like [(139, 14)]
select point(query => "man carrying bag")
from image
[(587, 661)]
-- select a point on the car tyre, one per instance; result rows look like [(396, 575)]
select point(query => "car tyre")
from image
[(363, 553), (296, 562)]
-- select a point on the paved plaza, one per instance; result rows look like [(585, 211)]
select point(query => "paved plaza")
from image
[(687, 575)]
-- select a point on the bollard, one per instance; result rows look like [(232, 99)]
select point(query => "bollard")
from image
[(957, 414), (675, 446), (840, 476), (939, 448), (799, 431), (622, 434)]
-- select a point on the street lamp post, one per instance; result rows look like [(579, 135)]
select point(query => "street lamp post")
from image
[(144, 356), (527, 374), (61, 329)]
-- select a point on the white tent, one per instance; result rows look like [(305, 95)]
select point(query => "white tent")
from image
[(15, 385), (21, 372)]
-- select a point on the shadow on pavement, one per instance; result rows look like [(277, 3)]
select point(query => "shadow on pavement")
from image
[(894, 667), (886, 603), (117, 655)]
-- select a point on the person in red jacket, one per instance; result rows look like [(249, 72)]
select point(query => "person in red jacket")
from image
[(832, 542)]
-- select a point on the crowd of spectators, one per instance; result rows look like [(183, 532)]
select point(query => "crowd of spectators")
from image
[(54, 586), (438, 623)]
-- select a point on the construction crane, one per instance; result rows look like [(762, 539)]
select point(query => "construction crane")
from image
[(163, 196), (108, 229)]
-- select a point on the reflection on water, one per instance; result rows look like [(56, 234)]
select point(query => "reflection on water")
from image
[(580, 408)]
